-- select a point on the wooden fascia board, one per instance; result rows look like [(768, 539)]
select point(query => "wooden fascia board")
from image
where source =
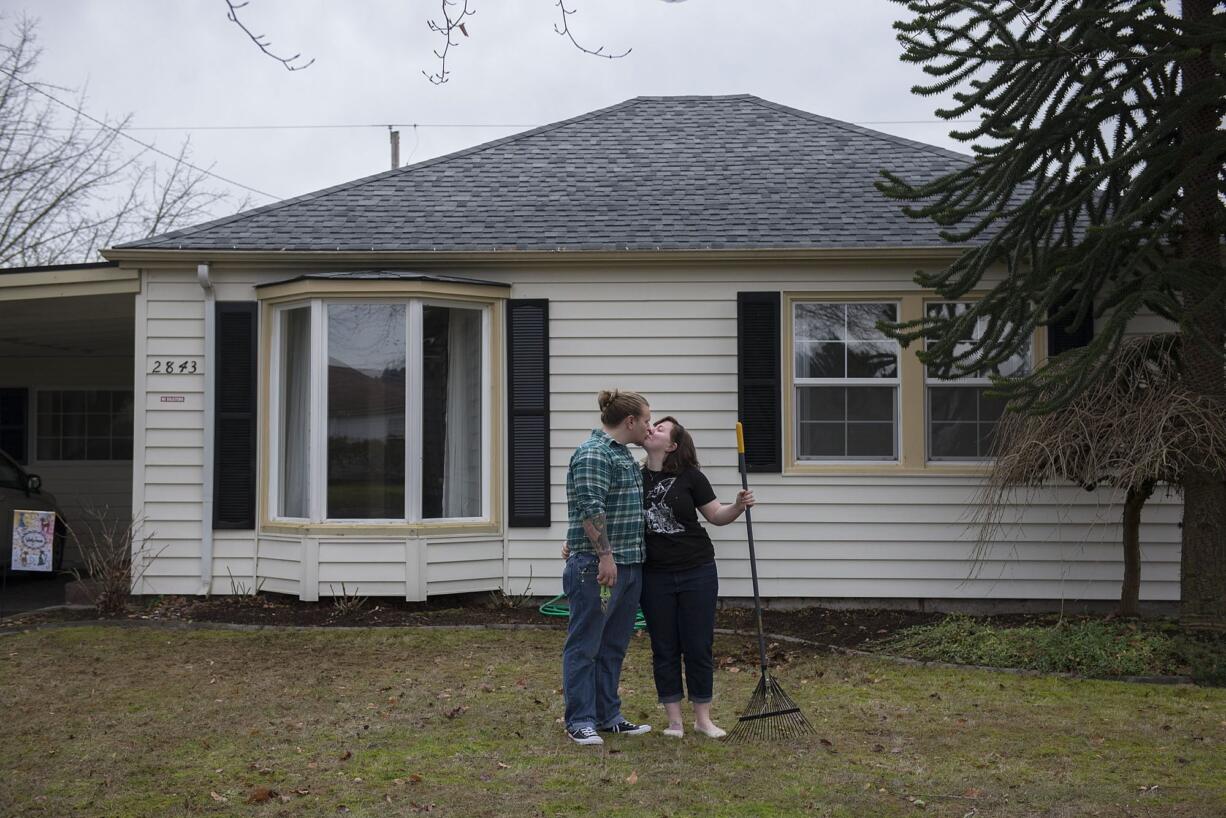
[(66, 283)]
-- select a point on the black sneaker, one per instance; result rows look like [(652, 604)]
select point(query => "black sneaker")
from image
[(627, 728), (584, 735)]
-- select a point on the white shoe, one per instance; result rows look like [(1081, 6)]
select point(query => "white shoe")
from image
[(714, 732), (674, 732)]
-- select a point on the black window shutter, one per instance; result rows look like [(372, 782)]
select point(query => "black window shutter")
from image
[(1060, 338), (528, 411), (13, 422), (234, 418), (759, 386)]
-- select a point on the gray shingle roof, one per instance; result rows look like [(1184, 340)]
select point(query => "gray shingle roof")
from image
[(669, 173)]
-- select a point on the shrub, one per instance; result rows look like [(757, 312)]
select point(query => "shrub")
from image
[(1092, 647)]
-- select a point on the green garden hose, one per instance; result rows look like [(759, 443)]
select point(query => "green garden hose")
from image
[(559, 607)]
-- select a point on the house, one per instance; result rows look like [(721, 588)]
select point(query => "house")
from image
[(380, 383)]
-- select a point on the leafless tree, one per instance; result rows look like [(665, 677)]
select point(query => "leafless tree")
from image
[(69, 184), (1137, 427), (454, 14)]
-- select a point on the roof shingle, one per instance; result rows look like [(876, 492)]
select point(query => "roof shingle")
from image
[(651, 173)]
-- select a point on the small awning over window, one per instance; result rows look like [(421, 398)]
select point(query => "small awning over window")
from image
[(380, 282)]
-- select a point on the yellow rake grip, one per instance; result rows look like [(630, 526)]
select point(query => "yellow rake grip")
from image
[(740, 438)]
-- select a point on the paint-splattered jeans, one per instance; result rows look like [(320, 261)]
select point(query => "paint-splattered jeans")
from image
[(596, 641)]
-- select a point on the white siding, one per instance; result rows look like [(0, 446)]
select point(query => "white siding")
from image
[(816, 536), (462, 565), (168, 450), (670, 333)]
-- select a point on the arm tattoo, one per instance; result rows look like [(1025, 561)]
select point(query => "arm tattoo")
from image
[(595, 529)]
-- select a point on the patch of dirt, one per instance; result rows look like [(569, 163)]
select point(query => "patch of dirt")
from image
[(844, 628)]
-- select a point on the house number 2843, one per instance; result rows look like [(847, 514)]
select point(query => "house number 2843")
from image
[(173, 366)]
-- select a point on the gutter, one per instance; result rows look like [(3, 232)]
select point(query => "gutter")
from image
[(442, 258), (206, 487)]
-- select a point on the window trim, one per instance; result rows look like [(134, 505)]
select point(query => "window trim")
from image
[(912, 392), (414, 298), (895, 383)]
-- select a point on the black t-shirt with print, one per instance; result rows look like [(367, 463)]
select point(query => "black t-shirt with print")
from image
[(675, 538)]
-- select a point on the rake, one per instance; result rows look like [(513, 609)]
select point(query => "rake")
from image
[(771, 714)]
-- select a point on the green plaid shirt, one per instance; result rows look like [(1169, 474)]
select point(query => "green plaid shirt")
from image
[(603, 478)]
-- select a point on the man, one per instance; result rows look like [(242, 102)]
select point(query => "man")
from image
[(603, 573)]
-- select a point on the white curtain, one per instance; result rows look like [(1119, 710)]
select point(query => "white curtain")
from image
[(295, 405), (462, 462)]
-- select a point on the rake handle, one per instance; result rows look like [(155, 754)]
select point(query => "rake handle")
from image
[(753, 560)]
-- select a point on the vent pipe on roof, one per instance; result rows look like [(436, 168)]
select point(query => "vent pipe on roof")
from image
[(395, 138)]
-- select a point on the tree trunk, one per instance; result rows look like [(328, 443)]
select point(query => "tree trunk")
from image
[(1130, 591), (1203, 560)]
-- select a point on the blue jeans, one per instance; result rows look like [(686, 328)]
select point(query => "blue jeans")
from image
[(679, 607), (596, 641)]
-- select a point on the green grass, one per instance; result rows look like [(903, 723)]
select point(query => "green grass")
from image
[(1092, 647), (134, 722)]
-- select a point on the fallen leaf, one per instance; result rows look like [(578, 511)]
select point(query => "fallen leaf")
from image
[(972, 792), (633, 778), (502, 766), (455, 711), (877, 748), (415, 778), (348, 754), (261, 794), (219, 798)]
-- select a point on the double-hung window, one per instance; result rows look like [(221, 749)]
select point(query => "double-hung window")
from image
[(380, 411), (846, 377), (961, 416)]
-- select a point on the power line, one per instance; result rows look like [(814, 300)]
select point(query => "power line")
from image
[(145, 145), (381, 125)]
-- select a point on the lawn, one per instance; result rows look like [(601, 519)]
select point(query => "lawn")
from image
[(106, 721)]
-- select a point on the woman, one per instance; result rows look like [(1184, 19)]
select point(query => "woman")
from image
[(680, 585)]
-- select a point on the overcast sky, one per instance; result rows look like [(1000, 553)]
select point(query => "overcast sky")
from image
[(179, 64)]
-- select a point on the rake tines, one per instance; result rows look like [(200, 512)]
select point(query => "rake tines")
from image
[(771, 715)]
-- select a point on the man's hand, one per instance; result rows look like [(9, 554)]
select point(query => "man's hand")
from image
[(565, 550), (606, 570)]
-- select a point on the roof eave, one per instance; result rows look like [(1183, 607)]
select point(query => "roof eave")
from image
[(919, 253)]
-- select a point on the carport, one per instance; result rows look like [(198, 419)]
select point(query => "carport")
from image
[(66, 374)]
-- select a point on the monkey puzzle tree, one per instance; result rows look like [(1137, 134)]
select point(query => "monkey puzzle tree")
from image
[(1095, 191)]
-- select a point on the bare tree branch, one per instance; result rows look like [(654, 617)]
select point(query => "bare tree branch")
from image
[(261, 41), (564, 30), (444, 29), (68, 185)]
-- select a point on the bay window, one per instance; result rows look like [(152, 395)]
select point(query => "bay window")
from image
[(380, 412)]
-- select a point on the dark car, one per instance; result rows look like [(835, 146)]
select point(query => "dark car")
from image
[(20, 490)]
